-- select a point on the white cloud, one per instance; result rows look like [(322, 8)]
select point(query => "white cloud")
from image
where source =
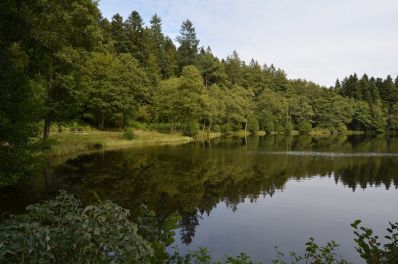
[(318, 40)]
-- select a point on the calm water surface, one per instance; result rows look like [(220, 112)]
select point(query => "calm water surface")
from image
[(241, 195)]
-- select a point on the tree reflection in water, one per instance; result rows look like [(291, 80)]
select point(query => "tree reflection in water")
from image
[(192, 179)]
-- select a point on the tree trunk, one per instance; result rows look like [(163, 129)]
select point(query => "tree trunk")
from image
[(173, 127), (245, 127), (211, 122), (204, 125), (46, 130), (101, 120)]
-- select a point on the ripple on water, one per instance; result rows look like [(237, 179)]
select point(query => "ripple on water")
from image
[(326, 154)]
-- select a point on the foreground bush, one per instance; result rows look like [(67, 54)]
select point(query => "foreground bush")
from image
[(62, 231), (371, 249)]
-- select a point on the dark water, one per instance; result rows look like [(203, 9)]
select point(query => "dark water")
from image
[(241, 195)]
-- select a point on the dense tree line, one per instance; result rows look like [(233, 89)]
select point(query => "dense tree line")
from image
[(80, 66), (379, 101), (61, 61)]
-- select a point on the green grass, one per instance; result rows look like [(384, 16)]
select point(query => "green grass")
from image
[(69, 143)]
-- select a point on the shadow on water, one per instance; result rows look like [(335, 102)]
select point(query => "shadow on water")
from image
[(194, 178)]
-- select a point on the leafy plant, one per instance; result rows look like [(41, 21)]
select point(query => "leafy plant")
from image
[(190, 129), (313, 254), (252, 125), (62, 231), (369, 246), (304, 127), (202, 256), (129, 134), (158, 231)]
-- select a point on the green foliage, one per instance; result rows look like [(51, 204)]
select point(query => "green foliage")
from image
[(268, 125), (288, 128), (62, 61), (271, 110), (202, 256), (188, 49), (304, 127), (252, 125), (20, 111), (19, 162), (216, 128), (190, 129), (159, 232), (370, 248), (62, 230), (129, 134), (241, 259), (161, 127), (313, 254), (114, 84), (179, 100)]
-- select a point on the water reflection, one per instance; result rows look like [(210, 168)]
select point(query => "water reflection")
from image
[(194, 178)]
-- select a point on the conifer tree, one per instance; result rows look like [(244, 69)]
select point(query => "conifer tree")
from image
[(188, 49)]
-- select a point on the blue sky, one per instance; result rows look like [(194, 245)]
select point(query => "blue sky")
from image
[(317, 40)]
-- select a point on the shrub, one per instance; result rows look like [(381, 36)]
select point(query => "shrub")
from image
[(160, 127), (333, 131), (288, 127), (226, 128), (236, 126), (129, 134), (341, 128), (304, 127), (269, 127), (62, 231), (190, 129), (313, 254), (370, 248), (216, 128), (279, 127), (252, 125), (138, 125)]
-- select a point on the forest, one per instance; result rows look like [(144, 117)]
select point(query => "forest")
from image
[(61, 61)]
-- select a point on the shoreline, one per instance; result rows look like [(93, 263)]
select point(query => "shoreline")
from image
[(96, 140), (67, 143)]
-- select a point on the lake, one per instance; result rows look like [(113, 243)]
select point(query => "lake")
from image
[(240, 194)]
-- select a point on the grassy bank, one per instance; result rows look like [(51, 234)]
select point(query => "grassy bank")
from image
[(67, 143)]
